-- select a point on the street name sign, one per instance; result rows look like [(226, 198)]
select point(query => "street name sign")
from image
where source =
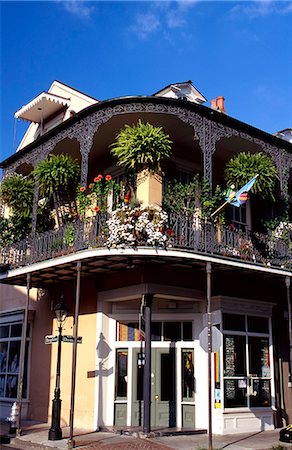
[(50, 338), (70, 339)]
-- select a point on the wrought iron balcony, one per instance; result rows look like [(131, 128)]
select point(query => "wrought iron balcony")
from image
[(182, 233)]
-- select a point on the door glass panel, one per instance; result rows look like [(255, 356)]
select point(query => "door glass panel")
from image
[(121, 373), (260, 393), (187, 374), (259, 361), (172, 331), (235, 393), (234, 356), (167, 377)]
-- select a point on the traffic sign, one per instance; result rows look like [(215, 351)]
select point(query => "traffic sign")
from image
[(216, 339), (50, 338)]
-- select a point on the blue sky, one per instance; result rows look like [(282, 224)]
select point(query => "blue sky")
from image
[(241, 50)]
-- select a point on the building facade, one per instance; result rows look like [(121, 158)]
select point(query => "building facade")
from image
[(202, 275)]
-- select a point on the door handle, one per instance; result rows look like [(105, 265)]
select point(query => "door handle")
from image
[(156, 397)]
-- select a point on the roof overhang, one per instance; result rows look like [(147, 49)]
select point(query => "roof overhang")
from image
[(100, 260), (42, 107)]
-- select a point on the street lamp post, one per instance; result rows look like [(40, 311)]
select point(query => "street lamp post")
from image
[(55, 432)]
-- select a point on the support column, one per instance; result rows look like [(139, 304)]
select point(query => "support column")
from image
[(287, 282), (22, 356), (147, 302), (209, 313), (71, 442), (35, 209)]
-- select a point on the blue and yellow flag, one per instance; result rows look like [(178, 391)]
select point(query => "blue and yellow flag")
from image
[(241, 196)]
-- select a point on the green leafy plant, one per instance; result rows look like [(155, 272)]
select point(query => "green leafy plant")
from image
[(69, 235), (244, 166), (17, 192), (193, 198), (57, 173), (6, 232), (142, 146), (57, 177)]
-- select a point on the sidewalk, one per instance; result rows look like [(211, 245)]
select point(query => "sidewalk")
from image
[(35, 436)]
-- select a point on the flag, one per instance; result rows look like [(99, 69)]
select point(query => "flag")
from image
[(241, 196)]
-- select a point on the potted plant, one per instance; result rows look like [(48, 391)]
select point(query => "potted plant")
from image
[(144, 149)]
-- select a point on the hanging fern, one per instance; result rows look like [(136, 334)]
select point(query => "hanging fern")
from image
[(57, 174), (142, 146), (244, 166), (17, 192)]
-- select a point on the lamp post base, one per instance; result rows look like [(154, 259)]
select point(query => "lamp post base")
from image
[(55, 432)]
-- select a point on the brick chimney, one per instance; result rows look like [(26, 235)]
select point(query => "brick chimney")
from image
[(218, 104)]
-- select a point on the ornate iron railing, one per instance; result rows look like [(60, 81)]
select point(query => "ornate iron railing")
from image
[(183, 232)]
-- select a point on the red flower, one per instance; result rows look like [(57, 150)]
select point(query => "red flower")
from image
[(82, 189), (96, 208), (98, 178), (108, 177)]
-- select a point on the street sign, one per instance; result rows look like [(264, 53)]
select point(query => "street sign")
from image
[(70, 339), (216, 339), (49, 339)]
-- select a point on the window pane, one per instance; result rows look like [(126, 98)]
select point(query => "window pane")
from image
[(156, 331), (11, 386), (258, 324), (234, 356), (234, 322), (260, 393), (16, 330), (4, 331), (2, 386), (259, 360), (172, 331), (121, 373), (3, 356), (14, 353), (187, 374), (235, 393), (187, 331)]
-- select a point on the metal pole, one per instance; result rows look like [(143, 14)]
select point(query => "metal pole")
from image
[(55, 432), (147, 300), (71, 442), (209, 313), (22, 356), (287, 282)]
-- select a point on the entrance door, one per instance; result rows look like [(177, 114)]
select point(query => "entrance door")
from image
[(163, 388)]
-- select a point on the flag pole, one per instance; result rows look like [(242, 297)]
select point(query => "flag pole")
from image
[(218, 209)]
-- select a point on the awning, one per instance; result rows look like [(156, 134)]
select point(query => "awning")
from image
[(42, 107)]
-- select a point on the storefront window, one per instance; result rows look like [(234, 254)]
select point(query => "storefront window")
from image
[(160, 331), (10, 343), (247, 374), (121, 374)]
